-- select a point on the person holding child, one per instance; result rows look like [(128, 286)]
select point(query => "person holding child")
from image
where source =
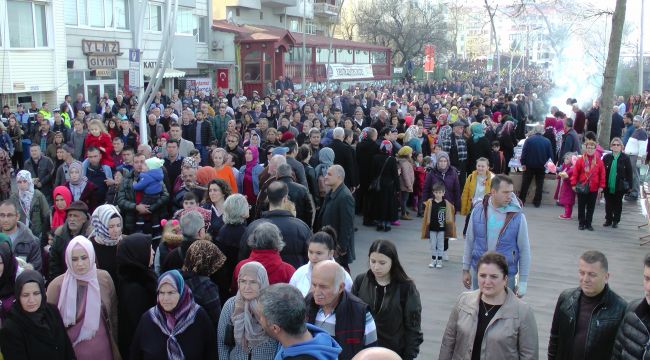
[(150, 183), (618, 181), (438, 223)]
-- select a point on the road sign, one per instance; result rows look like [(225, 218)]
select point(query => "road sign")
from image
[(135, 77)]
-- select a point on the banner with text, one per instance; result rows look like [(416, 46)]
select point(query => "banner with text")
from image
[(197, 84), (349, 71)]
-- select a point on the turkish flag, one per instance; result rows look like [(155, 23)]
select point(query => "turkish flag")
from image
[(222, 78)]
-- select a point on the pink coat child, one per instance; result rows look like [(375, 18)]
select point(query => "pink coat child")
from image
[(564, 193)]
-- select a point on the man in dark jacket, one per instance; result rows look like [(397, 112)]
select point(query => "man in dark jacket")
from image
[(586, 318), (295, 232), (296, 166), (129, 203), (23, 243), (534, 155), (282, 311), (342, 315), (593, 114), (298, 194), (344, 156), (570, 140), (634, 334), (367, 148), (76, 223), (42, 169), (580, 119), (617, 124), (338, 212)]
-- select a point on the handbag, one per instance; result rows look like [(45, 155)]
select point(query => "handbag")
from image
[(583, 187), (229, 337), (375, 184)]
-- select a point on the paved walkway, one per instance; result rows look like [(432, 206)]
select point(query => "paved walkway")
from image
[(556, 245)]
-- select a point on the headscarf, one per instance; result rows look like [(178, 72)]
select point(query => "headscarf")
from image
[(189, 162), (495, 116), (204, 175), (440, 155), (26, 196), (386, 147), (8, 277), (41, 318), (411, 133), (559, 125), (58, 215), (247, 329), (133, 258), (77, 187), (325, 159), (507, 128), (405, 151), (180, 318), (549, 122), (203, 258), (364, 133), (68, 296), (99, 220), (327, 138), (477, 131), (251, 164)]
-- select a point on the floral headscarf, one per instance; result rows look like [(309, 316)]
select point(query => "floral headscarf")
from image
[(386, 147), (27, 195)]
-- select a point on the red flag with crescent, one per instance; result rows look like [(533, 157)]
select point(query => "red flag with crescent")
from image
[(429, 62), (222, 78)]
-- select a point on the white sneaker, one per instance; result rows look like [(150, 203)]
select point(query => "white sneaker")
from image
[(432, 265), (439, 264), (445, 257)]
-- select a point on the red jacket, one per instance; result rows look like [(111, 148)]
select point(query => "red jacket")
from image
[(277, 270), (597, 171), (101, 141)]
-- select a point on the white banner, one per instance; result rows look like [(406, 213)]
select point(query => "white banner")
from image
[(349, 71), (197, 84)]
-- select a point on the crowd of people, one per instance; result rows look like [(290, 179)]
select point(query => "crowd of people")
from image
[(226, 228)]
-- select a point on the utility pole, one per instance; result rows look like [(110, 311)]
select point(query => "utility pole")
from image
[(304, 47), (641, 52)]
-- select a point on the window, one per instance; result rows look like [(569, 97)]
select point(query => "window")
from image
[(153, 18), (97, 13), (201, 29), (361, 57), (344, 56), (310, 27), (378, 57), (185, 21), (294, 25), (27, 24), (295, 55), (322, 55), (261, 15)]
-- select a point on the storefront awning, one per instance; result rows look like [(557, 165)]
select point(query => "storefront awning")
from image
[(169, 73)]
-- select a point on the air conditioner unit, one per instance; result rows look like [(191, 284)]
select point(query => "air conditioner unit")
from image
[(217, 45)]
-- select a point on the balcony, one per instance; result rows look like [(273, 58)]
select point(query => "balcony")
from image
[(325, 10), (279, 3)]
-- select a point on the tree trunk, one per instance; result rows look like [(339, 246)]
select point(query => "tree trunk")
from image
[(609, 78)]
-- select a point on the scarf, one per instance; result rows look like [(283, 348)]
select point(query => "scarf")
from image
[(247, 330), (77, 187), (132, 259), (68, 296), (611, 177), (59, 215), (8, 277), (99, 220), (364, 134), (251, 164), (326, 159), (180, 318), (477, 131), (42, 321), (203, 258), (26, 196)]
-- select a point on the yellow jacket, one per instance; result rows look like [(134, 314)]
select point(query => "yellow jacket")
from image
[(450, 222), (468, 191)]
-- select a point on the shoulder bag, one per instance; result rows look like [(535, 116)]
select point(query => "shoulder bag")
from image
[(375, 184)]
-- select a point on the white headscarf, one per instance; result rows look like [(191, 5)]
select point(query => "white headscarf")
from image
[(27, 195)]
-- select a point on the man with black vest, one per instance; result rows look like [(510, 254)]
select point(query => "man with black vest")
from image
[(342, 315)]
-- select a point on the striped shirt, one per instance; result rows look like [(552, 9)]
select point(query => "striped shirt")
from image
[(328, 324)]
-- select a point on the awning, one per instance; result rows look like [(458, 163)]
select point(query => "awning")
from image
[(169, 73)]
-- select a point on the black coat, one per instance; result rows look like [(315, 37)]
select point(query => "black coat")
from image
[(136, 294), (366, 149), (228, 242), (21, 339), (344, 156), (295, 234), (198, 341), (301, 198), (338, 212), (623, 172), (602, 328), (126, 202), (205, 293), (634, 334), (384, 202), (475, 150), (617, 126)]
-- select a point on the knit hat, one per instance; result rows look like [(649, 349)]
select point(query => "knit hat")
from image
[(154, 163), (405, 151)]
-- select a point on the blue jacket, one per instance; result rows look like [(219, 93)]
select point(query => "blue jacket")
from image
[(536, 151), (321, 346), (150, 182), (627, 132), (257, 170)]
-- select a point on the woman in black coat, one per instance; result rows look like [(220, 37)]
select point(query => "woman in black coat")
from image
[(34, 328), (384, 202), (176, 327), (367, 148), (621, 185), (478, 145), (136, 292), (235, 213)]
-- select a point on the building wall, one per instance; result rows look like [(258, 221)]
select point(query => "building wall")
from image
[(36, 72)]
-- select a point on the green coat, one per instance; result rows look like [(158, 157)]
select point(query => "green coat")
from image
[(39, 214)]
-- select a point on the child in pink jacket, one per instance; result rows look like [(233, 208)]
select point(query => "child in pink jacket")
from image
[(564, 193)]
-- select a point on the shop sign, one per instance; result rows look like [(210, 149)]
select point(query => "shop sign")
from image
[(103, 72), (349, 71), (197, 84), (101, 54)]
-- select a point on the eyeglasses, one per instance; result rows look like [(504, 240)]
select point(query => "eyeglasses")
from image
[(616, 144)]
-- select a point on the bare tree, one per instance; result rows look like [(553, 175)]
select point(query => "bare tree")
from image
[(347, 26), (404, 26), (491, 13), (609, 81)]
